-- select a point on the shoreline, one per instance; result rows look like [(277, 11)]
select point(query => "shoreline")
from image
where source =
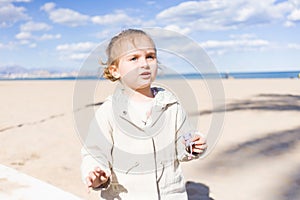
[(218, 75)]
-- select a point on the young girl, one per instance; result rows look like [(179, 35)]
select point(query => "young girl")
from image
[(140, 133)]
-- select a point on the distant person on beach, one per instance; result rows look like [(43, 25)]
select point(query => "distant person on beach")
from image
[(141, 133)]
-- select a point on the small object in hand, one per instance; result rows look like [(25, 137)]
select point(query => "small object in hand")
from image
[(189, 144)]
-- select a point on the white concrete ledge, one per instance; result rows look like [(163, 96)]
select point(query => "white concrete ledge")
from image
[(15, 185)]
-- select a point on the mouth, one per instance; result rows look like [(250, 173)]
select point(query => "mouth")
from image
[(145, 74)]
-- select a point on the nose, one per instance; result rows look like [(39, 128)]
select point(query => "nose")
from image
[(144, 63)]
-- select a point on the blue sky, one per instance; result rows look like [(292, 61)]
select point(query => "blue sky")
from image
[(238, 35)]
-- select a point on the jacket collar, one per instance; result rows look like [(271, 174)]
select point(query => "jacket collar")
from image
[(162, 100)]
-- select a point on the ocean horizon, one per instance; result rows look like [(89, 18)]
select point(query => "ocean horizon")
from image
[(221, 75)]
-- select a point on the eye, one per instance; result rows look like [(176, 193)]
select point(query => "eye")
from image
[(151, 57), (133, 58)]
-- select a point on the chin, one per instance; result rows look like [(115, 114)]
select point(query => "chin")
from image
[(144, 85)]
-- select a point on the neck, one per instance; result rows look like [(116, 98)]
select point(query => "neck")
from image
[(141, 94)]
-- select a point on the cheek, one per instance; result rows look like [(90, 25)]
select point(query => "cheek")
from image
[(128, 74), (154, 68), (125, 69)]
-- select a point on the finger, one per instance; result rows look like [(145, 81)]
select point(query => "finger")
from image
[(201, 141), (88, 181), (100, 172), (92, 176), (97, 169), (103, 179), (103, 174), (201, 146), (196, 138), (97, 174), (88, 189), (198, 151), (88, 184)]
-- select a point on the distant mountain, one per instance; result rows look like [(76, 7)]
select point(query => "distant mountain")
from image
[(14, 69), (18, 72)]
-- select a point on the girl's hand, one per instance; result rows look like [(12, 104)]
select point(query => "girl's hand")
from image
[(199, 145), (96, 178)]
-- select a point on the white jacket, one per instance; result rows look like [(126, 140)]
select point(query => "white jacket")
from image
[(143, 160)]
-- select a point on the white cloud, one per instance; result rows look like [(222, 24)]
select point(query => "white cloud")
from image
[(10, 14), (150, 3), (294, 46), (295, 15), (24, 42), (289, 24), (65, 16), (28, 43), (118, 17), (246, 42), (49, 37), (234, 43), (226, 14), (24, 36), (81, 46), (183, 11), (202, 15), (178, 29), (2, 46), (78, 56), (24, 1), (34, 26), (32, 45), (75, 51), (47, 7), (245, 13), (73, 18), (243, 36), (104, 34), (29, 27)]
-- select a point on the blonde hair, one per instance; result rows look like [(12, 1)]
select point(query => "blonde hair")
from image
[(118, 46)]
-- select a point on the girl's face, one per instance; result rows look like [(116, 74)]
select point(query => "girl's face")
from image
[(137, 69)]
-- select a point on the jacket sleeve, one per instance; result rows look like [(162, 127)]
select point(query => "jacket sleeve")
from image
[(184, 127), (97, 147)]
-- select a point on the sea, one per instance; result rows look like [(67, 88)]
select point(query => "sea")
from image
[(247, 75), (222, 75)]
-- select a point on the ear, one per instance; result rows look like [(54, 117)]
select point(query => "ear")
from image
[(114, 71)]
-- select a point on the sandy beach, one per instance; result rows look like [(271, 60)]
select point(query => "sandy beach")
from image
[(256, 157)]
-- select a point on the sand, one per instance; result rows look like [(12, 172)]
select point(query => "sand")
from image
[(256, 157)]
